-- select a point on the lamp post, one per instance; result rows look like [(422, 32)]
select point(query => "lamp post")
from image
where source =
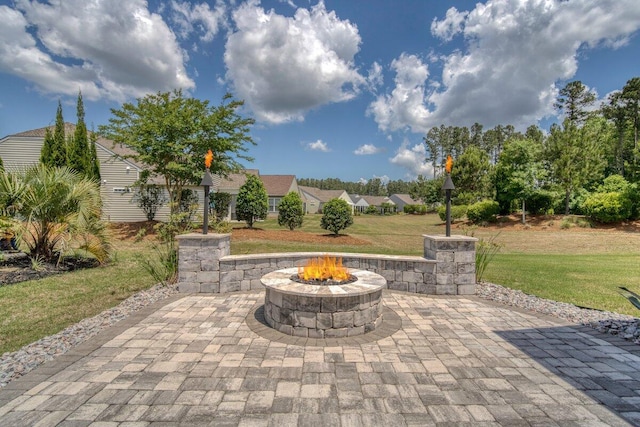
[(447, 187), (207, 182)]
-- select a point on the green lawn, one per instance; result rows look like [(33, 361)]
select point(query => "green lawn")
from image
[(583, 267)]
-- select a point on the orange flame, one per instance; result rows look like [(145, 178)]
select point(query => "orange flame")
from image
[(325, 268), (208, 158), (449, 164)]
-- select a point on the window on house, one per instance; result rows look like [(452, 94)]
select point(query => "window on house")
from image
[(273, 203)]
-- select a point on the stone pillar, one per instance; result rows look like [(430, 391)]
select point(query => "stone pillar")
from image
[(199, 261), (456, 263)]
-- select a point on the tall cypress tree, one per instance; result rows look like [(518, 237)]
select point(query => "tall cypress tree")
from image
[(47, 148), (78, 156), (58, 154), (93, 164)]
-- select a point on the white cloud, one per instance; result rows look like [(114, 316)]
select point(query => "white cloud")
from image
[(190, 18), (107, 49), (318, 146), (368, 149), (516, 51), (282, 67), (412, 159), (404, 107)]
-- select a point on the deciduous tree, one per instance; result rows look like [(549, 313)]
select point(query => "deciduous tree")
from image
[(253, 201), (291, 211), (171, 134), (336, 215)]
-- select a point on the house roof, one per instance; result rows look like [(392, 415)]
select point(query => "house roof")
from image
[(322, 195), (277, 185), (234, 181), (377, 200), (405, 198)]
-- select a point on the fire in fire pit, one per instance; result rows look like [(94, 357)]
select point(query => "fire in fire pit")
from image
[(324, 270)]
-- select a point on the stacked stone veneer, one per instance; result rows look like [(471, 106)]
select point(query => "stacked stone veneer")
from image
[(205, 265)]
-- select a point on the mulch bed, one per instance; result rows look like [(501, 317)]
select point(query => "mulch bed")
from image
[(17, 267)]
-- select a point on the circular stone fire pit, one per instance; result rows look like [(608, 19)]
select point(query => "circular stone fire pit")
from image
[(323, 311)]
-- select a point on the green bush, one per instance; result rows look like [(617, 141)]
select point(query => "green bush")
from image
[(371, 210), (541, 201), (336, 215), (483, 211), (415, 209), (457, 212), (608, 207), (291, 211)]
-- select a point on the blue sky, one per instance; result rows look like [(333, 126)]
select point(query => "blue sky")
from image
[(343, 89)]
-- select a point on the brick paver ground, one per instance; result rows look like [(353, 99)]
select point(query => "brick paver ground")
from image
[(207, 360)]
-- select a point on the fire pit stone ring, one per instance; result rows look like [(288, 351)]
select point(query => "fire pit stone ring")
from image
[(323, 311)]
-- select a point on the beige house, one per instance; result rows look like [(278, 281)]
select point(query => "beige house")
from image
[(314, 198), (117, 174)]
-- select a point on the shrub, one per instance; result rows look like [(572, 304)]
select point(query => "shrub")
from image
[(253, 202), (149, 198), (608, 207), (291, 211), (371, 210), (457, 212), (415, 209), (220, 202), (540, 202), (336, 215), (483, 211)]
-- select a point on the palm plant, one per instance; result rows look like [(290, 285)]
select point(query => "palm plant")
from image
[(60, 209)]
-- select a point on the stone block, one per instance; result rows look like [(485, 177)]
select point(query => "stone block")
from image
[(465, 256), (356, 330), (245, 285), (424, 267), (412, 276), (444, 279), (361, 317), (189, 265), (389, 275), (412, 287), (336, 333), (398, 286), (446, 289), (275, 297), (254, 273), (371, 326), (231, 276), (210, 287), (275, 313), (188, 287), (447, 267), (466, 289), (445, 257), (229, 287), (300, 332), (308, 304), (349, 303), (466, 267), (256, 284), (286, 317), (426, 288), (446, 245), (187, 276), (467, 246), (342, 319), (429, 253), (324, 321), (465, 279), (286, 329), (315, 333), (210, 265), (329, 304), (289, 301), (208, 276), (304, 319), (227, 266), (365, 301)]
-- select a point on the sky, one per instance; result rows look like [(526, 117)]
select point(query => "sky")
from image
[(338, 89)]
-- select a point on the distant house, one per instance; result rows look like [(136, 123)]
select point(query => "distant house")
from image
[(315, 198), (276, 186), (364, 202), (360, 204), (401, 200), (117, 174)]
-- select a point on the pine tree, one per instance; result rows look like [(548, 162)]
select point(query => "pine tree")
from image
[(54, 151), (58, 155), (78, 156), (93, 168)]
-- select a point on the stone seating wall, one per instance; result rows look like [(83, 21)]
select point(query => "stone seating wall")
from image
[(205, 265)]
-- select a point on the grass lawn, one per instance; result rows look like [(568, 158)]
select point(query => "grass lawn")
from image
[(580, 266)]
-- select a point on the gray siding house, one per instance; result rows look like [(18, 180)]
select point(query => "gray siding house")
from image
[(117, 174)]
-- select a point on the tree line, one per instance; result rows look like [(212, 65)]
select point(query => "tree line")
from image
[(558, 170), (372, 187)]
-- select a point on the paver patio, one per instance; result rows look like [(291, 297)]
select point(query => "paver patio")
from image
[(207, 360)]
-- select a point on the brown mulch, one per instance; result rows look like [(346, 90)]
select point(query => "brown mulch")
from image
[(18, 267)]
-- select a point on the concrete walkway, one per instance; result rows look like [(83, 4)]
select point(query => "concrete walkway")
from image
[(443, 361)]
